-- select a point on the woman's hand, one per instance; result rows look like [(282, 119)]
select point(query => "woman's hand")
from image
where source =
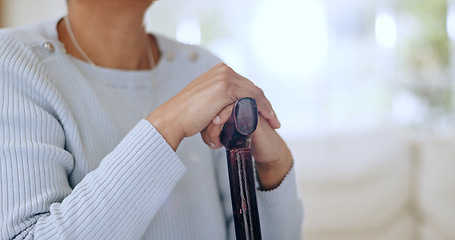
[(272, 157), (194, 108)]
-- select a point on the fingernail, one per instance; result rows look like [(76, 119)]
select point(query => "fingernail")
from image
[(272, 113), (216, 120)]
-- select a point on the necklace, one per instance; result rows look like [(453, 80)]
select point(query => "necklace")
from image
[(150, 58)]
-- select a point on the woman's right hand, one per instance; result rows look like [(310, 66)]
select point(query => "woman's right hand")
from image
[(194, 108)]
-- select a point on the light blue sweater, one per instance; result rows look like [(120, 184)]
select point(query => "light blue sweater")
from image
[(78, 162)]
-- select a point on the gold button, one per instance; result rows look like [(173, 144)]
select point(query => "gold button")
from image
[(170, 56), (49, 47), (193, 56)]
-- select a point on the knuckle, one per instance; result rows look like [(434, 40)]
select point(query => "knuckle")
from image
[(224, 67), (259, 93), (206, 136), (225, 70), (221, 65), (224, 85)]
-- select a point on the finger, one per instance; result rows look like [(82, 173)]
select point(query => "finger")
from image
[(211, 135), (238, 87), (223, 115), (264, 106), (206, 139), (273, 122)]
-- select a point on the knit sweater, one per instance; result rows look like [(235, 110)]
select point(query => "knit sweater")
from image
[(78, 161)]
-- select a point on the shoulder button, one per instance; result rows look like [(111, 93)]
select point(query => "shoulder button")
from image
[(170, 56), (49, 47), (193, 56)]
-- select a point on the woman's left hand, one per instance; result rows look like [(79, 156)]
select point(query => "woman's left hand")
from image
[(273, 158)]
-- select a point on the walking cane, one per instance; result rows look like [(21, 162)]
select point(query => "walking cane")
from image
[(236, 137)]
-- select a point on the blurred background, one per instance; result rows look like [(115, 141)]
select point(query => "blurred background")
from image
[(364, 90)]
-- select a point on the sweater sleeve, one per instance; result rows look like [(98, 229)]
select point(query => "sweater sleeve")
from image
[(118, 200), (280, 209)]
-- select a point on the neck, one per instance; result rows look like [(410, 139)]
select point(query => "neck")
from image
[(111, 33)]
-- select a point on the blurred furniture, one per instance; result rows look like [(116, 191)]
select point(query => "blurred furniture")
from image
[(384, 184)]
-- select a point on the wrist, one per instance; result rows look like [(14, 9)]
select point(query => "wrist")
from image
[(167, 130), (270, 174)]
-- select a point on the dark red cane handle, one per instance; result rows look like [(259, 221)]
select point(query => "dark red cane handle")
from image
[(236, 137), (242, 123)]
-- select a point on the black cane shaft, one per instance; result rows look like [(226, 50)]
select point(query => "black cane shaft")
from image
[(243, 194)]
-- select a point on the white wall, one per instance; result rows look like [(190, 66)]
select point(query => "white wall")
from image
[(20, 12)]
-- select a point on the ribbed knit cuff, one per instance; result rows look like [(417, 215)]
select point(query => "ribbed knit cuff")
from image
[(280, 210), (286, 190)]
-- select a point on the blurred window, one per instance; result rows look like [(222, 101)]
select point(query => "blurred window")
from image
[(325, 65)]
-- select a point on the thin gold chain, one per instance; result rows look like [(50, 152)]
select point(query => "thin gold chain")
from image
[(150, 57)]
